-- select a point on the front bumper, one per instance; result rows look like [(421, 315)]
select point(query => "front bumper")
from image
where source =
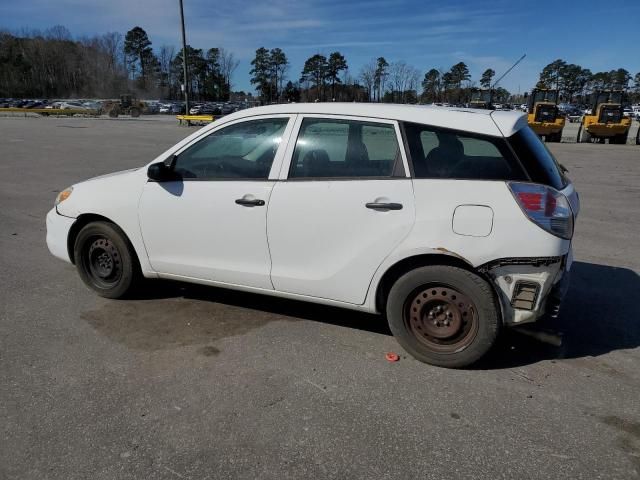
[(58, 227)]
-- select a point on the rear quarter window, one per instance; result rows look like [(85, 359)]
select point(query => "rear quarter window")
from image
[(536, 158), (450, 154)]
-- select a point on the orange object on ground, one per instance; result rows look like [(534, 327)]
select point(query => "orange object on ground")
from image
[(392, 357)]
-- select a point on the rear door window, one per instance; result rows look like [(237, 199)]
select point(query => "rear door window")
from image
[(335, 148), (443, 153)]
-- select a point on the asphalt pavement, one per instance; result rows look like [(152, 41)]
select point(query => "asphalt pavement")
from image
[(191, 382)]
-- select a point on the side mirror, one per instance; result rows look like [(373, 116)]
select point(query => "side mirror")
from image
[(161, 172)]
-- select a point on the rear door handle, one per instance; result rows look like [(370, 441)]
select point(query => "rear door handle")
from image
[(245, 202), (384, 206)]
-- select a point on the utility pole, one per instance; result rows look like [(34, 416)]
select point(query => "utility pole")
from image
[(184, 63)]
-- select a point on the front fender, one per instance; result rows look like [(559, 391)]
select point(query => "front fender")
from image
[(116, 198)]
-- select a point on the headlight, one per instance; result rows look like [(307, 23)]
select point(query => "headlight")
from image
[(63, 195)]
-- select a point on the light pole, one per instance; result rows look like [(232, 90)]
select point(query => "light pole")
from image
[(184, 63)]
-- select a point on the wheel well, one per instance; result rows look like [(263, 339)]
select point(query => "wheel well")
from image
[(411, 263), (85, 219)]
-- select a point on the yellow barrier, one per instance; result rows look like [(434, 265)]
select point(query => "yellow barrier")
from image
[(50, 111), (194, 118)]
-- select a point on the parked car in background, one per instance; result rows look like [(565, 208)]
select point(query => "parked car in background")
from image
[(94, 105), (151, 107), (178, 108), (228, 108), (196, 109), (71, 105), (571, 112), (32, 104), (455, 224)]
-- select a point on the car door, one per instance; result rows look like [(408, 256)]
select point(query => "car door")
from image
[(345, 200), (209, 223)]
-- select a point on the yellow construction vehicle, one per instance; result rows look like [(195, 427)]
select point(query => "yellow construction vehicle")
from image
[(543, 115), (128, 105), (605, 119), (482, 99)]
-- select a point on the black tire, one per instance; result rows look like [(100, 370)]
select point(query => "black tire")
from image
[(620, 139), (106, 260), (134, 112), (554, 137), (466, 322)]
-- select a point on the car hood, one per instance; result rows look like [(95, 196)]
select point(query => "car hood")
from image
[(109, 175)]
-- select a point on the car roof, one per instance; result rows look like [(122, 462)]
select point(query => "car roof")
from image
[(487, 122)]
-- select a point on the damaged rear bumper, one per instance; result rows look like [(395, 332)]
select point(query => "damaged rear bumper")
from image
[(529, 288)]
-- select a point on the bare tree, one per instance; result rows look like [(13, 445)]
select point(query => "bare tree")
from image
[(228, 65), (368, 76), (403, 79), (111, 43), (165, 57), (58, 32)]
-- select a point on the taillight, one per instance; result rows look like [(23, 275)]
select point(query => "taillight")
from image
[(545, 206)]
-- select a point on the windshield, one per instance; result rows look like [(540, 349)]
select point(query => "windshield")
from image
[(536, 158), (607, 97), (481, 96), (545, 96)]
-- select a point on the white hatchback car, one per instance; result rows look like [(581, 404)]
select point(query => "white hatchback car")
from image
[(452, 222)]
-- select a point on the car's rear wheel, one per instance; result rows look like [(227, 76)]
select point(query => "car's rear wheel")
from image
[(443, 315), (105, 260)]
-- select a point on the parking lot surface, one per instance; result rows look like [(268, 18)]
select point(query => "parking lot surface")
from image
[(190, 382)]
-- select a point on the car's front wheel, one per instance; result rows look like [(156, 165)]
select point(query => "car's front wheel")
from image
[(105, 260), (443, 315)]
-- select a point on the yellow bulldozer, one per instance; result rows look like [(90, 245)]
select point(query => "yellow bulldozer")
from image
[(128, 105), (543, 114), (605, 119), (482, 99)]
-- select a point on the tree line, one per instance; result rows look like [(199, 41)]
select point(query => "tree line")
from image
[(327, 78), (575, 82), (51, 64)]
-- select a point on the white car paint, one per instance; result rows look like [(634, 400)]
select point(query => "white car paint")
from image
[(315, 240)]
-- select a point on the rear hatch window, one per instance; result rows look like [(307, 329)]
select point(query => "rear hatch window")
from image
[(537, 160)]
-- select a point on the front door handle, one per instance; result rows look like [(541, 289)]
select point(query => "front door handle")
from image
[(384, 206), (245, 202)]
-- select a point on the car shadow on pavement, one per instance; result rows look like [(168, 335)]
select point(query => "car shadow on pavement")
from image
[(294, 309), (171, 314), (600, 314)]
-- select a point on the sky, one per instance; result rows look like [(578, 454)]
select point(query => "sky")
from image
[(424, 33)]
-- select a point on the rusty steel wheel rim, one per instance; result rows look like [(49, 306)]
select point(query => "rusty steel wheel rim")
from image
[(441, 318)]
